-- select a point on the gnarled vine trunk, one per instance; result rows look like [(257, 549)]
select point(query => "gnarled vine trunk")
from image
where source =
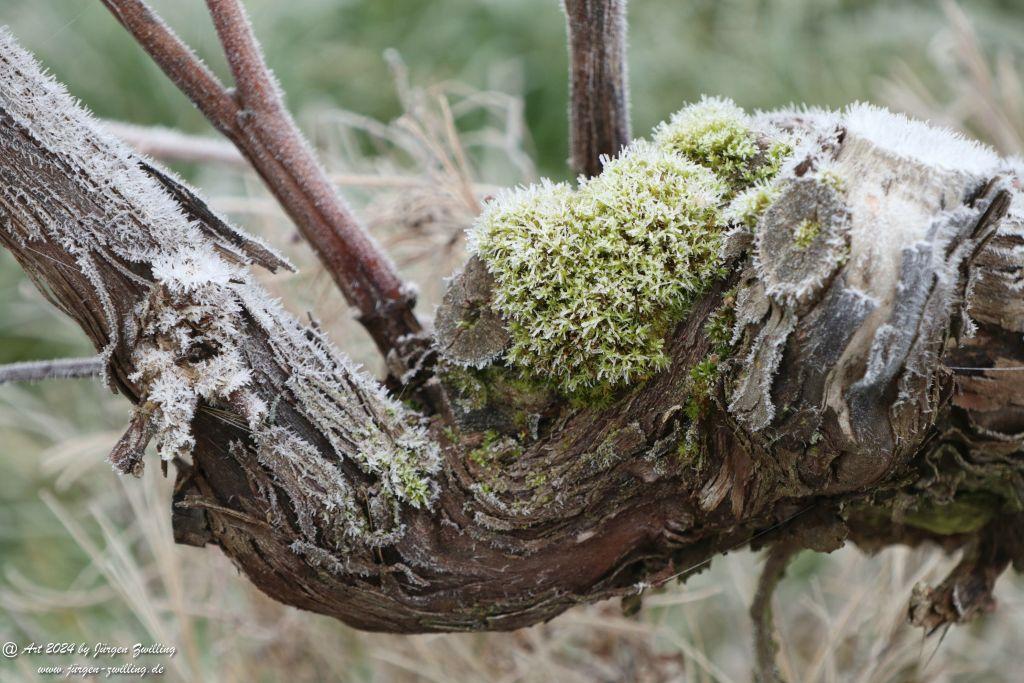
[(871, 390)]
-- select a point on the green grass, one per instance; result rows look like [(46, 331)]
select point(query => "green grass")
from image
[(328, 53)]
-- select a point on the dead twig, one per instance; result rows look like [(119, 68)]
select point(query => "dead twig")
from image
[(765, 646), (167, 144), (59, 368)]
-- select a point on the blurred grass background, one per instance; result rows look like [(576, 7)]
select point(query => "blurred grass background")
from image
[(85, 557)]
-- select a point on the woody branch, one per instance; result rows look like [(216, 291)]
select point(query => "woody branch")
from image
[(254, 118), (865, 388), (599, 86)]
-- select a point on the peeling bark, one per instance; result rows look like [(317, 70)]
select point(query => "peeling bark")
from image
[(845, 410)]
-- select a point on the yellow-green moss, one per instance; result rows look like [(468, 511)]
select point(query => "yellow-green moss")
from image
[(589, 281), (747, 207), (493, 449), (536, 480), (831, 178), (805, 233), (715, 133), (703, 376), (720, 324)]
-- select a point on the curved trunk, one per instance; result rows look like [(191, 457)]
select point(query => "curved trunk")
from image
[(870, 388)]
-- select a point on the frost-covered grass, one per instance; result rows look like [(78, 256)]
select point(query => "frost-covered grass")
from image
[(86, 558)]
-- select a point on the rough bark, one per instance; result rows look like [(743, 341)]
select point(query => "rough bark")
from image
[(838, 415)]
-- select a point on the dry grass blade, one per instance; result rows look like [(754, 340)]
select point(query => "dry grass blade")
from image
[(982, 93)]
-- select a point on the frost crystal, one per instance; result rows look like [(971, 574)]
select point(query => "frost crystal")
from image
[(748, 206), (935, 147), (205, 335), (191, 269)]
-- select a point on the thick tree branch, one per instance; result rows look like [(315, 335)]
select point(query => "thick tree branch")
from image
[(599, 87), (255, 120), (833, 414)]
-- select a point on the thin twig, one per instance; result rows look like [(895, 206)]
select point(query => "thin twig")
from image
[(255, 120), (60, 368), (285, 161), (765, 646), (253, 81), (599, 87), (167, 144), (177, 60)]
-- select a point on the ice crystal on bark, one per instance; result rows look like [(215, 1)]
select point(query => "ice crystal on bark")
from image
[(180, 307), (348, 407), (187, 347), (932, 146)]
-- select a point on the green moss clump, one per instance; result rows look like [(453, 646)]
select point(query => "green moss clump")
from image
[(536, 480), (703, 376), (748, 206), (715, 133), (699, 392), (416, 489), (830, 177), (494, 449), (805, 233), (589, 281), (720, 324)]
